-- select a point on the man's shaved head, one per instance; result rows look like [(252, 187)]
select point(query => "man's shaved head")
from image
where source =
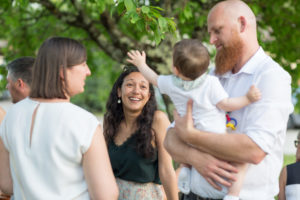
[(232, 28), (233, 9)]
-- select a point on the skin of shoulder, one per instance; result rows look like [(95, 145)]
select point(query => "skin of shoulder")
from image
[(159, 117), (160, 125)]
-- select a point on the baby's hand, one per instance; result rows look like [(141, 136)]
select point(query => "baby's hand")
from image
[(253, 94), (136, 58)]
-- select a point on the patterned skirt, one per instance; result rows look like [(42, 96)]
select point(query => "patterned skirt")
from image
[(136, 191)]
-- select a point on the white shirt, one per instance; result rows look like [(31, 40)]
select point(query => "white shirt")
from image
[(50, 166), (292, 192), (206, 115), (264, 121)]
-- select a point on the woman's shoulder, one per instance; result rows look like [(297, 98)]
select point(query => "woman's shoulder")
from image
[(160, 120), (159, 115)]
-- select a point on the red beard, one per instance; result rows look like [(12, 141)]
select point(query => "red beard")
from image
[(229, 55)]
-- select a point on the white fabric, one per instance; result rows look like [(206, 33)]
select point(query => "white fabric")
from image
[(184, 180), (50, 167), (264, 121), (229, 197), (206, 116), (292, 192)]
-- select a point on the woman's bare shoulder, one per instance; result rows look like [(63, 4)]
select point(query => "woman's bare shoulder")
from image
[(160, 115)]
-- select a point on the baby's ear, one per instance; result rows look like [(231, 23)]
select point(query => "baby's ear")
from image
[(175, 71)]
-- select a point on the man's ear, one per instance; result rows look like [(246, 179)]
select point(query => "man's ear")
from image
[(243, 23), (20, 83)]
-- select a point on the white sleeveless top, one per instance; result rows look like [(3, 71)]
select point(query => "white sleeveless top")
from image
[(50, 166)]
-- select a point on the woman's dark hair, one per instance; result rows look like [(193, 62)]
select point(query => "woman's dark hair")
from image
[(55, 54), (114, 116)]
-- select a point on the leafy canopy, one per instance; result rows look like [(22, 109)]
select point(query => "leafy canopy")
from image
[(110, 28)]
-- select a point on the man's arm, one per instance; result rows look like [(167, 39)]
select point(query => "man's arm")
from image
[(230, 147), (211, 168), (139, 60)]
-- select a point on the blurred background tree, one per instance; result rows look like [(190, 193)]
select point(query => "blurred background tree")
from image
[(110, 28)]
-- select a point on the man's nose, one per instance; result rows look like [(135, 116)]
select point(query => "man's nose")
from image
[(212, 38)]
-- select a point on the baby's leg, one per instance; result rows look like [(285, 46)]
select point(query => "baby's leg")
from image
[(234, 190), (184, 178)]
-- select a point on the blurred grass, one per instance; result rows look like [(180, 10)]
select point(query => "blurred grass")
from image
[(288, 159)]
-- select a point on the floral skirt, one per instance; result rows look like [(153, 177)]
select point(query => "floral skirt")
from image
[(136, 191)]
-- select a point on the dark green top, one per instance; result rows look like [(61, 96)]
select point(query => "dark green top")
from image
[(129, 165)]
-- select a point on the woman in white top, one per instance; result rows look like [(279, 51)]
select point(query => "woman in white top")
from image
[(49, 147)]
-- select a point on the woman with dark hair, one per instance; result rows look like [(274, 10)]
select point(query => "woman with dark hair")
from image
[(134, 131), (57, 149)]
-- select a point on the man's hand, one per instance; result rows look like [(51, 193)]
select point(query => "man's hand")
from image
[(214, 170), (184, 126)]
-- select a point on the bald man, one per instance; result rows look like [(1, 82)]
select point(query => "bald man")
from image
[(261, 127)]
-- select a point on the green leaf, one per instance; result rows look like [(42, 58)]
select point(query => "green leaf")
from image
[(202, 21), (120, 7), (134, 17), (157, 8), (157, 36), (140, 25), (145, 9), (187, 12), (22, 3), (129, 5), (163, 24), (172, 24)]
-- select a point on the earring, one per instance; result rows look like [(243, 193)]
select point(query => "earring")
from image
[(119, 100)]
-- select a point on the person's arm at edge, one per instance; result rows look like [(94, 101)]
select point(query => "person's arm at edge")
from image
[(282, 184), (236, 103), (166, 171), (230, 147), (97, 169), (139, 60), (2, 114), (6, 184)]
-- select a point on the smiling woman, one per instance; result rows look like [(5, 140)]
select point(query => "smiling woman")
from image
[(134, 130)]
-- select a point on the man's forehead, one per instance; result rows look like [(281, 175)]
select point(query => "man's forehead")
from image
[(9, 76), (214, 23)]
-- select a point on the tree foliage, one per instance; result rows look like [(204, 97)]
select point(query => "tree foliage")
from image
[(110, 28)]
